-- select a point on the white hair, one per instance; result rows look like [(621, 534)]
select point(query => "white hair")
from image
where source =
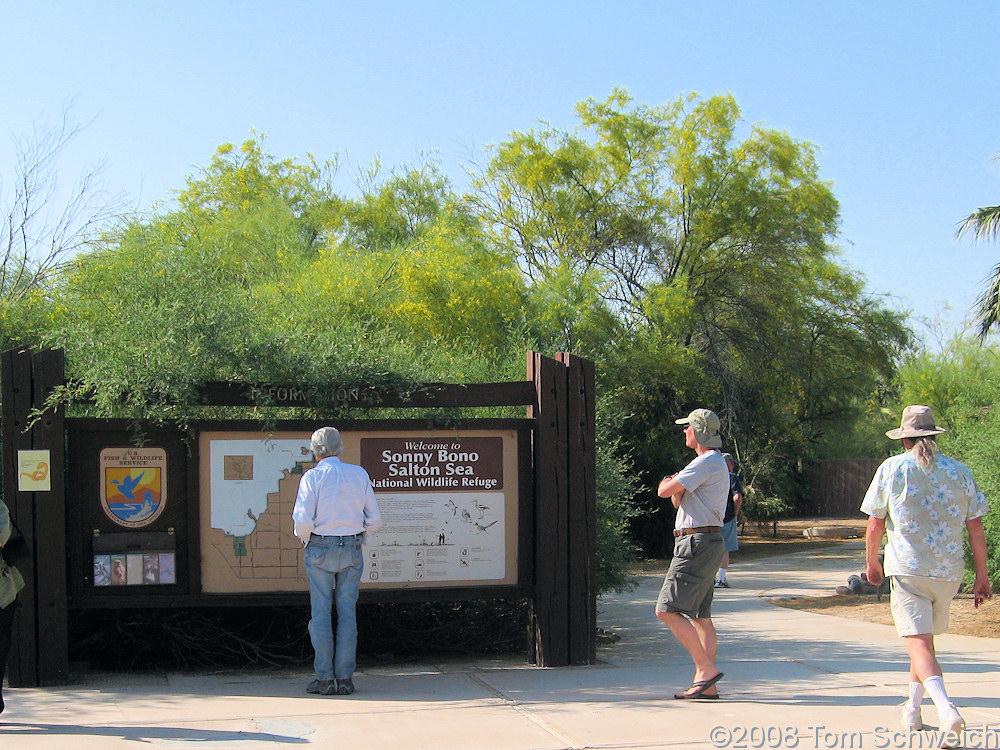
[(925, 449), (326, 441)]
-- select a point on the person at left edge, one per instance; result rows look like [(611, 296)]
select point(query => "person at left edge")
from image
[(10, 583), (335, 513)]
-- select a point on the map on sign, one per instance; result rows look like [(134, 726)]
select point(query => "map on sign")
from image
[(247, 539), (245, 473)]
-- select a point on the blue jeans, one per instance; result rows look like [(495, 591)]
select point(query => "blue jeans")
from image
[(333, 567)]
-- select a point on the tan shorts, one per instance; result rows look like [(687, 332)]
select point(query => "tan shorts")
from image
[(921, 606)]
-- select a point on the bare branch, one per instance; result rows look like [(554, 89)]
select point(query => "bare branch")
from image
[(41, 227)]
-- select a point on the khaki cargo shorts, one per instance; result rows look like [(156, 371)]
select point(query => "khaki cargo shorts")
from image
[(689, 585)]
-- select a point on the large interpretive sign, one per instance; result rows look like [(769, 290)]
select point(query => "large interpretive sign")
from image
[(448, 501)]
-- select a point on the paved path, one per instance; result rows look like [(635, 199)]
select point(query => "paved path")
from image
[(793, 680)]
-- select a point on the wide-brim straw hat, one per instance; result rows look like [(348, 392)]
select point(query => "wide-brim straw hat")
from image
[(917, 421)]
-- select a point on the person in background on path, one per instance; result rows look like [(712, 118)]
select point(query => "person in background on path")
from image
[(335, 512), (730, 520), (698, 492), (923, 498), (10, 583)]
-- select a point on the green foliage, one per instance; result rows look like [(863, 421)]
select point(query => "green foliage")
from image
[(25, 319), (396, 210), (616, 489), (763, 510), (567, 311), (240, 283), (410, 259)]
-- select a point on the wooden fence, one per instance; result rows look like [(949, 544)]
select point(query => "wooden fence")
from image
[(838, 486)]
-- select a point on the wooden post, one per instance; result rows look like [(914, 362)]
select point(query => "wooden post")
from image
[(17, 401), (581, 509), (549, 613), (563, 620), (49, 433), (40, 652)]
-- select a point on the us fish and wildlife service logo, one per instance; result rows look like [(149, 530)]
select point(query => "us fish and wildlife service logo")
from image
[(133, 485)]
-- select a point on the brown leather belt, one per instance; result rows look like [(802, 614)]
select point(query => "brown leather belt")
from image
[(696, 530)]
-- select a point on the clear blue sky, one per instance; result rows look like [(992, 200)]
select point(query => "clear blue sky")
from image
[(901, 98)]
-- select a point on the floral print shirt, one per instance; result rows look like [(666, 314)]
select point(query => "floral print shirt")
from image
[(927, 509)]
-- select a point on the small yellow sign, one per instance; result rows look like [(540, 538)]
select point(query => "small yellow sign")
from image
[(33, 473)]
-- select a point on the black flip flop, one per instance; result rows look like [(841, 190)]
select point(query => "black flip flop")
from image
[(700, 687)]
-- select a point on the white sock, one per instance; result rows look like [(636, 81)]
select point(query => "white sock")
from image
[(935, 689), (916, 694), (722, 575)]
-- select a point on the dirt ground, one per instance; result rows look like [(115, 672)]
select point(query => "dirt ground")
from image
[(965, 620), (788, 537)]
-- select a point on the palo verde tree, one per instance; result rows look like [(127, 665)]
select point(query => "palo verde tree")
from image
[(261, 272), (708, 243), (163, 302), (417, 262)]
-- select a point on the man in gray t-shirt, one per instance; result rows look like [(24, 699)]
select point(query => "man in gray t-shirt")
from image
[(699, 493)]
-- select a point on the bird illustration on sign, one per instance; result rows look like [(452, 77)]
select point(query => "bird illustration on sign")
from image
[(127, 485)]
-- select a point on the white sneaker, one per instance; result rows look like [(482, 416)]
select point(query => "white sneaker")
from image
[(910, 717), (951, 721)]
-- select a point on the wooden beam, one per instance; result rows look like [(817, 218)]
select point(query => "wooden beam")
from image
[(422, 395)]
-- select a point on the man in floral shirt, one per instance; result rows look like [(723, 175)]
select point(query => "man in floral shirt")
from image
[(923, 499)]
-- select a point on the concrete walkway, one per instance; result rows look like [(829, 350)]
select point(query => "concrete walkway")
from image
[(793, 680)]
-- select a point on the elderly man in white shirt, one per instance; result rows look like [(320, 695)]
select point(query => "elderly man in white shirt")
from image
[(335, 512)]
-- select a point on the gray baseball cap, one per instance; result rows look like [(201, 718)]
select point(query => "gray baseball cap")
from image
[(705, 424)]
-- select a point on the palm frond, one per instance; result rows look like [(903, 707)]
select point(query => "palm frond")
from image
[(983, 224), (988, 305)]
